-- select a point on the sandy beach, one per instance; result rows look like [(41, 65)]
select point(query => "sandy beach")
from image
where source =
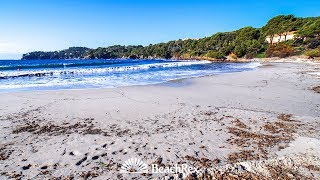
[(262, 124)]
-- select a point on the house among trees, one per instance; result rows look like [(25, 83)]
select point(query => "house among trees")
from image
[(276, 38)]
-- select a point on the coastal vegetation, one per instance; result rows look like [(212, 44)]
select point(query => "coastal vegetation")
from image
[(247, 42), (70, 53)]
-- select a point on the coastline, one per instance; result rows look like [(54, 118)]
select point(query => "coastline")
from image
[(262, 61), (39, 75), (291, 59), (211, 122)]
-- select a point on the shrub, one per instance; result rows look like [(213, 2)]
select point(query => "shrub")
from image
[(249, 55), (299, 50), (195, 53), (233, 56), (261, 55), (215, 54), (133, 56), (314, 43), (281, 50), (313, 53), (185, 56)]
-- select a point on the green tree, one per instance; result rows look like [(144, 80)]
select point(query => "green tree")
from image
[(215, 55), (311, 28)]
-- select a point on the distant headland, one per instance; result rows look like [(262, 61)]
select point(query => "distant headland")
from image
[(282, 36)]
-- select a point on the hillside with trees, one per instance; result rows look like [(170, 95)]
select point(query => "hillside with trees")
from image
[(70, 53), (247, 42)]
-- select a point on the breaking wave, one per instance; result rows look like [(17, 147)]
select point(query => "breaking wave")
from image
[(66, 74)]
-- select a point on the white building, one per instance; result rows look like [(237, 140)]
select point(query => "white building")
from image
[(280, 38)]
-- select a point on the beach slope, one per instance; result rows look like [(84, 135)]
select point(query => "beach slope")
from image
[(240, 125)]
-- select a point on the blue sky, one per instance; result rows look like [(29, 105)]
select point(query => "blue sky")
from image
[(28, 25)]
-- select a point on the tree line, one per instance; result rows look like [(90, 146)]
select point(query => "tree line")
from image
[(247, 42)]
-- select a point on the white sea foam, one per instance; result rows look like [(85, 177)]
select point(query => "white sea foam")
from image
[(95, 77), (251, 65), (102, 70)]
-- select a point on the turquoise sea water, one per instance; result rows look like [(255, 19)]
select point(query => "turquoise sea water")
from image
[(26, 75)]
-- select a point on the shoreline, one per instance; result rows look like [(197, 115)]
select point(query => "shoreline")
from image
[(169, 83), (109, 86), (291, 59), (214, 122), (263, 63)]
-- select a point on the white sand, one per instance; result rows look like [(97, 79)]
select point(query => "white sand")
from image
[(172, 122)]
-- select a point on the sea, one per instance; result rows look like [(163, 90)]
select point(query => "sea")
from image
[(30, 75)]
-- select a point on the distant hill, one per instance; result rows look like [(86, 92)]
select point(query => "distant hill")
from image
[(247, 42), (70, 53)]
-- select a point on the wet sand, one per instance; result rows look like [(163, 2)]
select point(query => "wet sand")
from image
[(240, 125)]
